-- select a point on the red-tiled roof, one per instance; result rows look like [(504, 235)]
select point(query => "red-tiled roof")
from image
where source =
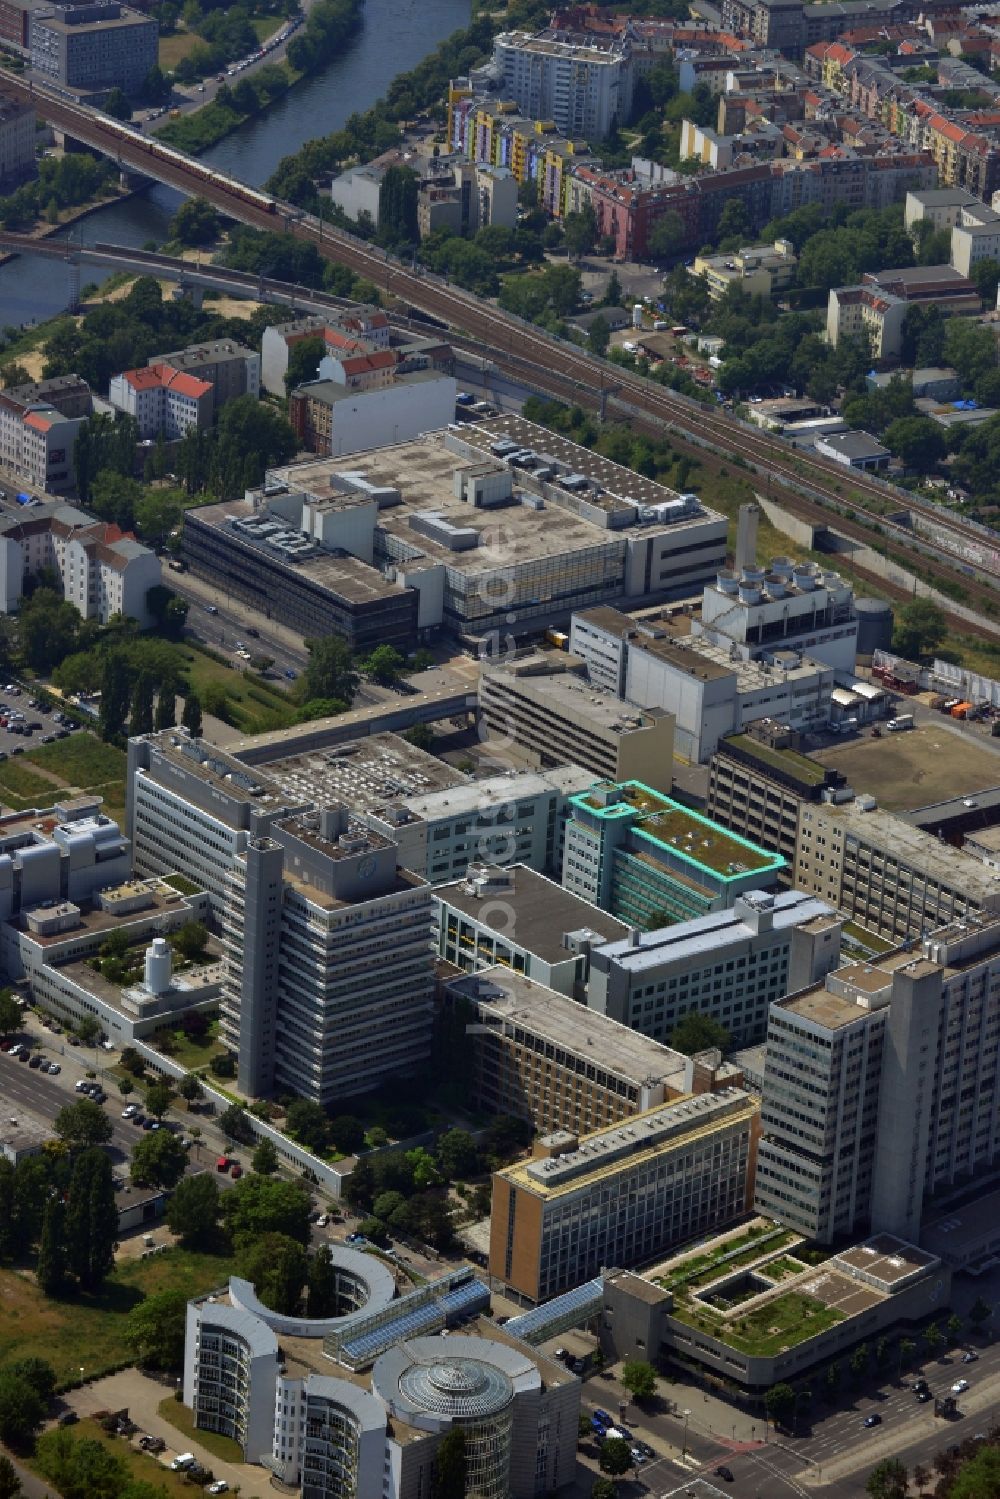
[(37, 421), (162, 377)]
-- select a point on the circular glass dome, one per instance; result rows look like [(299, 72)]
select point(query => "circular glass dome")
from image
[(460, 1387)]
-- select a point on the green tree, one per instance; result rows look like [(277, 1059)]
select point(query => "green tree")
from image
[(580, 231), (235, 1125), (265, 1158), (10, 1013), (159, 1159), (194, 1209), (10, 1484), (859, 1362), (322, 1281), (159, 1097), (601, 1488), (933, 1337), (779, 1403), (979, 1478), (82, 1124), (88, 1027), (920, 628), (615, 1457), (599, 336), (91, 1219), (166, 712), (52, 1268), (190, 941), (458, 1154), (304, 360), (117, 106), (639, 1378), (49, 629), (141, 716), (696, 1032), (733, 222), (953, 1329), (190, 1088), (347, 1134), (115, 696), (154, 1330), (888, 1480), (667, 237), (907, 1349), (21, 1411), (384, 665), (448, 1477), (329, 671), (387, 1205), (40, 1375), (918, 441), (980, 1312), (260, 1205), (397, 204), (195, 223), (307, 1123), (191, 717), (278, 1269)]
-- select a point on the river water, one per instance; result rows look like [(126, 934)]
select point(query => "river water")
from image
[(394, 37)]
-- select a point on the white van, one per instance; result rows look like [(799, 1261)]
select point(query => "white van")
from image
[(182, 1462)]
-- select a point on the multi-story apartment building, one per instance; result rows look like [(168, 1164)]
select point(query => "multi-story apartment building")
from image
[(544, 705), (517, 919), (885, 874), (163, 400), (541, 1056), (730, 965), (102, 571), (327, 984), (651, 861), (757, 783), (37, 439), (705, 685), (367, 325), (93, 47), (229, 368), (583, 84), (17, 141), (331, 417), (623, 1194), (881, 1088)]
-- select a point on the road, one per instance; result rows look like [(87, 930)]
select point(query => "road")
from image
[(552, 365)]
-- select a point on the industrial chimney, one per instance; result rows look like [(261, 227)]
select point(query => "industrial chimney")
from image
[(746, 537)]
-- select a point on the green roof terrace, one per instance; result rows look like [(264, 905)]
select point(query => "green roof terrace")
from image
[(675, 830), (794, 764)]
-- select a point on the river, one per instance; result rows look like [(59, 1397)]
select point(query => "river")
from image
[(394, 37)]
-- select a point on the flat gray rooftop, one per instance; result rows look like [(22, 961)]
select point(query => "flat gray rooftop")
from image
[(710, 934), (366, 774), (521, 1003), (560, 685), (540, 912)]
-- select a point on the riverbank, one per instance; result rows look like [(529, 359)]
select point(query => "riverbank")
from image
[(74, 216), (329, 25)]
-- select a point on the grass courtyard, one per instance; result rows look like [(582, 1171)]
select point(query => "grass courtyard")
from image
[(48, 772), (729, 1254), (143, 1466), (779, 1323), (87, 1332)]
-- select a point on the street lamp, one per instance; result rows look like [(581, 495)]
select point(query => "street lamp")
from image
[(687, 1417)]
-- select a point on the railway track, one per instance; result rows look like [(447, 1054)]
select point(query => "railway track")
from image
[(556, 368)]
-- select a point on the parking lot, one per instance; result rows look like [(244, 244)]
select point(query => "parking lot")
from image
[(23, 723)]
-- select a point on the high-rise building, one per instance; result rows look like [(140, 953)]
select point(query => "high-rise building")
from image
[(93, 47), (327, 975), (881, 1090), (583, 84), (623, 1194), (729, 965), (650, 860), (885, 874), (327, 988)]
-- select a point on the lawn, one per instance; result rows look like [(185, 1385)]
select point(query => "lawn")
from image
[(27, 785), (173, 48), (143, 1467), (182, 1418), (265, 26), (193, 1053), (253, 704), (780, 1323), (81, 760), (87, 1332), (915, 769), (782, 1268), (744, 1248)]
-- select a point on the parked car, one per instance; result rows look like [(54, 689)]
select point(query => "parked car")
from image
[(604, 1418), (960, 1386), (54, 1067), (873, 1420), (724, 1473), (923, 1396), (968, 1357)]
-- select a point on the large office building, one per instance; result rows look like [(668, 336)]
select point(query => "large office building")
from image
[(886, 874), (707, 687), (881, 1091), (18, 136), (520, 920), (651, 861), (623, 1194), (93, 47), (541, 1056), (358, 1403), (543, 707), (730, 965), (327, 975), (757, 783), (164, 401)]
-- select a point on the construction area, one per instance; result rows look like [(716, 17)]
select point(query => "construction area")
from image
[(914, 769)]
